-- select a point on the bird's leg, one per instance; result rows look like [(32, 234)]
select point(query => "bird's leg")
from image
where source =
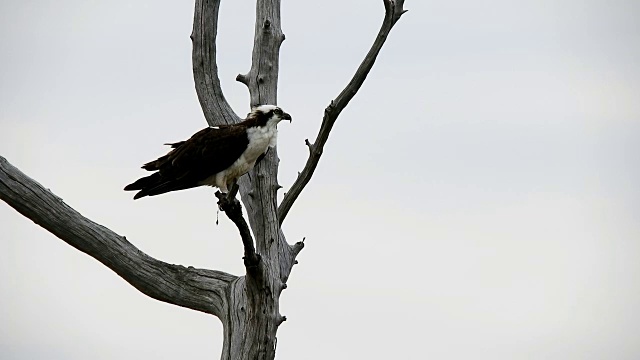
[(227, 199), (229, 205), (234, 190)]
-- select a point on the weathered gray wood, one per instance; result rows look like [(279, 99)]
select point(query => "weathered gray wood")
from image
[(248, 306), (250, 329), (259, 194), (198, 289), (215, 107)]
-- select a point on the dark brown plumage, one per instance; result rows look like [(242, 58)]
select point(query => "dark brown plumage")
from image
[(214, 156)]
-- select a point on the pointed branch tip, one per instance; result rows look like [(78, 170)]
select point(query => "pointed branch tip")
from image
[(297, 247)]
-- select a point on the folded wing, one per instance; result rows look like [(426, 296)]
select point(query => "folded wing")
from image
[(206, 153)]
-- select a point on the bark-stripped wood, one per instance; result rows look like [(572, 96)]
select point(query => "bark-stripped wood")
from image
[(247, 306), (198, 289), (215, 107)]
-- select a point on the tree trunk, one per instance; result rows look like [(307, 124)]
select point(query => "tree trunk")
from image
[(247, 306), (253, 316)]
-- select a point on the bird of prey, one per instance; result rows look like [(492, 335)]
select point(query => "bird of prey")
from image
[(215, 156)]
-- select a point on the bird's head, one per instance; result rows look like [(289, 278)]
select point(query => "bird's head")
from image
[(269, 115)]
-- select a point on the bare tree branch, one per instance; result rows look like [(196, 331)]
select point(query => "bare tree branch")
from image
[(393, 11), (197, 289), (248, 306), (231, 206), (205, 69)]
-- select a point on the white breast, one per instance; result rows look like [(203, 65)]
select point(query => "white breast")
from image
[(260, 138)]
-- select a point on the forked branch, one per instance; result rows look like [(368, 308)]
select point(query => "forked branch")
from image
[(393, 11), (197, 289)]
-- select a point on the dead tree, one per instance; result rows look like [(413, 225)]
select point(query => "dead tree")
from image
[(248, 305)]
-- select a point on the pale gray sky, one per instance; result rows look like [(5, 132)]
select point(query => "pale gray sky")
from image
[(478, 198)]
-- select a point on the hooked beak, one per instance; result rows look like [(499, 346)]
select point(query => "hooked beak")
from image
[(286, 116)]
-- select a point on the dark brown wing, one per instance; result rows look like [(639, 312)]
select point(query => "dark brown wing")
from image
[(206, 153)]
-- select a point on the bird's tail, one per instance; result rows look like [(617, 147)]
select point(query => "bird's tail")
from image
[(150, 185), (154, 184), (145, 185)]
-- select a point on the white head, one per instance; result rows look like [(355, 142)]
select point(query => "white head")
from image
[(269, 115)]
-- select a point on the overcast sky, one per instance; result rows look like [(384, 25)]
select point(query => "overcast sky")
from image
[(477, 199)]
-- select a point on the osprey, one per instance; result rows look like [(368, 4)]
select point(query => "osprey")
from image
[(215, 156)]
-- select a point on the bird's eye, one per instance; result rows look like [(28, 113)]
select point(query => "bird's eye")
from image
[(277, 111)]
